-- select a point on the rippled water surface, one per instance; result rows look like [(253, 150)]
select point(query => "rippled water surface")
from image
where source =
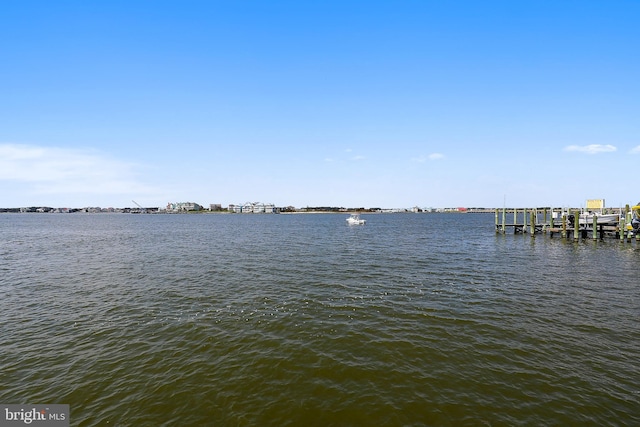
[(275, 320)]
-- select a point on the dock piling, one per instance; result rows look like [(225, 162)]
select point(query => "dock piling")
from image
[(532, 222)]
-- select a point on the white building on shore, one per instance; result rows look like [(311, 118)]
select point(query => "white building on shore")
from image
[(253, 207), (183, 207)]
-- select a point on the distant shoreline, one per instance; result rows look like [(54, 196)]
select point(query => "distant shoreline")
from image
[(148, 211), (287, 210)]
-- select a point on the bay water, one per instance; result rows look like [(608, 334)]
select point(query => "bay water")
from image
[(302, 320)]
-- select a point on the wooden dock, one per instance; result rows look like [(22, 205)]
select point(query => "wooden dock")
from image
[(553, 222)]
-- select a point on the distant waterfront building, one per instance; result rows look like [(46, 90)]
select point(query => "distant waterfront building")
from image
[(235, 208), (183, 207), (253, 207)]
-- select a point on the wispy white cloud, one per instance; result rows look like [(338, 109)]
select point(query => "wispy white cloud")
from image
[(432, 156), (635, 150), (591, 149), (53, 170), (358, 158)]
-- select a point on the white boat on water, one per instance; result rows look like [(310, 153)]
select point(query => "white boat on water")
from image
[(354, 219)]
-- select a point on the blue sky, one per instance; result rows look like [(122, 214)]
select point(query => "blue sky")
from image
[(340, 103)]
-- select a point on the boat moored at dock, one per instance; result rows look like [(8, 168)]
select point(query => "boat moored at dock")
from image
[(587, 218), (634, 226)]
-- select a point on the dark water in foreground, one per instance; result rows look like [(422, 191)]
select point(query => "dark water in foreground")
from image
[(275, 320)]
